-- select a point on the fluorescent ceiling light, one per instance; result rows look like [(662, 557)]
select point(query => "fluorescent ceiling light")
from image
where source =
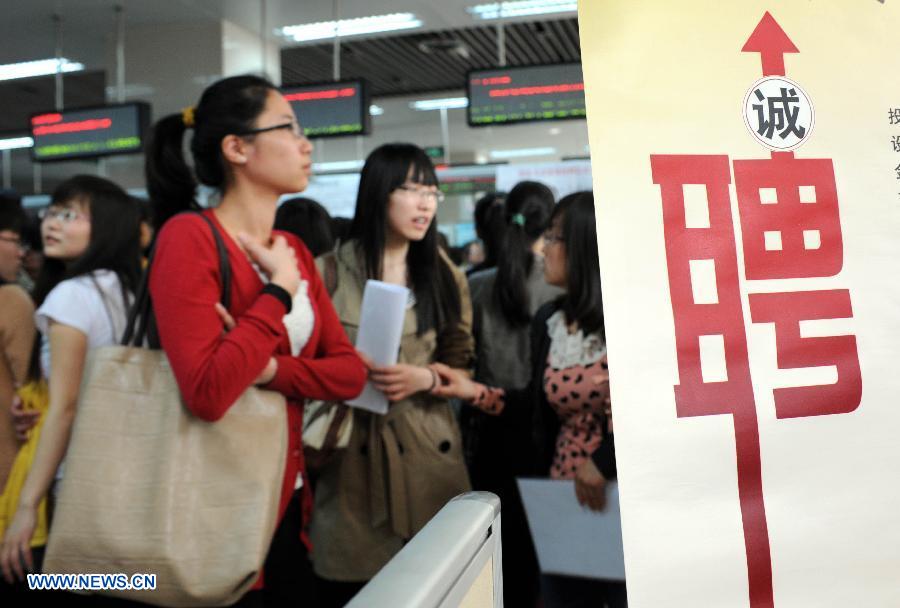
[(339, 165), (42, 67), (523, 8), (13, 143), (375, 110), (521, 153), (351, 27), (437, 104)]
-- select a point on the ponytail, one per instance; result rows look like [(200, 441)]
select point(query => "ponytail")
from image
[(170, 182), (489, 226), (526, 213)]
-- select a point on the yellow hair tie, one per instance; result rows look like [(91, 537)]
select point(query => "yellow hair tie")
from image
[(187, 116)]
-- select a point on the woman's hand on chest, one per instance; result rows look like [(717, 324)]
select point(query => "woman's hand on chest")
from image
[(278, 260)]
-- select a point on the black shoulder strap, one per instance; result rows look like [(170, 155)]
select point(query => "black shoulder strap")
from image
[(141, 324), (224, 265)]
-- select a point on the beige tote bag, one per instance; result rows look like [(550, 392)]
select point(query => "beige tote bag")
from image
[(150, 488)]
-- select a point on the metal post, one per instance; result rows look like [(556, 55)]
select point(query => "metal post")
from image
[(36, 177), (445, 135), (501, 45), (7, 169), (58, 83), (120, 54), (337, 41), (262, 37)]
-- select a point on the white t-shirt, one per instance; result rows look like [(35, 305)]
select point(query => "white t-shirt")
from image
[(78, 303)]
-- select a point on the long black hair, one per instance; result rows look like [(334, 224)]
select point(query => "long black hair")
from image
[(228, 106), (525, 213), (114, 242), (489, 226), (583, 300), (431, 280)]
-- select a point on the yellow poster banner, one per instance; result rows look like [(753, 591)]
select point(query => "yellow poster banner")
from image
[(746, 168)]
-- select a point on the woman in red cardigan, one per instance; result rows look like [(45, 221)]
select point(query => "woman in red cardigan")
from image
[(281, 331)]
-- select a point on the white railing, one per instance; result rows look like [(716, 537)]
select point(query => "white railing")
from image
[(454, 561)]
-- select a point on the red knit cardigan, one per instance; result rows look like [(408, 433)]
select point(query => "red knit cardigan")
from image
[(212, 368)]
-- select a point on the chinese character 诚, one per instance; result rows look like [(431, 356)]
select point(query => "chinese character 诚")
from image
[(782, 114)]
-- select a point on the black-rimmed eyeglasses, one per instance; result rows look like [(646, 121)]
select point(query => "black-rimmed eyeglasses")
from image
[(293, 126)]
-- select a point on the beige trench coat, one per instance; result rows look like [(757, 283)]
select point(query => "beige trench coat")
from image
[(400, 468)]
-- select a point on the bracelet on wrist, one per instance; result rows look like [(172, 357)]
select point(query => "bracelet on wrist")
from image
[(434, 380), (281, 293)]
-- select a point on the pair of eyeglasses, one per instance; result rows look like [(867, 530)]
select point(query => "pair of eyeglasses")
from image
[(64, 215), (17, 242), (293, 125), (435, 196), (551, 238)]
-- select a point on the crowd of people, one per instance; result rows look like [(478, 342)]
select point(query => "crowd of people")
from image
[(517, 338)]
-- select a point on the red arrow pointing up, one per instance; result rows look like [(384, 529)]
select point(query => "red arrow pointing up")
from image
[(770, 41)]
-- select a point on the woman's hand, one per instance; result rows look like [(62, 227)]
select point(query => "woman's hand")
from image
[(454, 383), (228, 321), (278, 261), (268, 373), (590, 486), (16, 548), (23, 420), (400, 381)]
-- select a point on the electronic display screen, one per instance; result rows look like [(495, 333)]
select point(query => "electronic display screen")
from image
[(510, 95), (330, 109), (89, 132)]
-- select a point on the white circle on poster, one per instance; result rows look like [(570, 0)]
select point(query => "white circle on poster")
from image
[(778, 113)]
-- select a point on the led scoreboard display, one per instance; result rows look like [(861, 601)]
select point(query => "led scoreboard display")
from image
[(509, 95), (89, 132), (331, 109)]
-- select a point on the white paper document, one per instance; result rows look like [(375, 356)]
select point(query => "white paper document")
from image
[(570, 539), (380, 329)]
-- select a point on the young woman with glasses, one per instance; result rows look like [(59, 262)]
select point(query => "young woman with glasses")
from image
[(91, 268), (282, 332), (400, 468), (564, 407)]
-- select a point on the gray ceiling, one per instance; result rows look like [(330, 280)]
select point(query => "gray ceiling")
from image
[(395, 65), (398, 65), (21, 98)]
